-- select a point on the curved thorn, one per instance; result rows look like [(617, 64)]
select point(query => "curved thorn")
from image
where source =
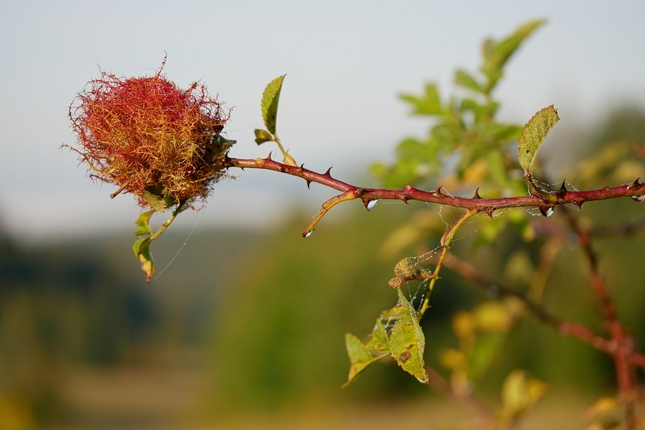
[(308, 183), (635, 184), (477, 196), (578, 202), (328, 172), (438, 192), (489, 211), (562, 191)]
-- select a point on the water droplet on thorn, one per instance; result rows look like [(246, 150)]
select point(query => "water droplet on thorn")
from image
[(370, 205)]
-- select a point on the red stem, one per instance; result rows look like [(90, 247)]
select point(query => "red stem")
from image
[(545, 201), (622, 343)]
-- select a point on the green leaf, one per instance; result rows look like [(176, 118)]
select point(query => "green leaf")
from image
[(466, 80), (379, 341), (407, 342), (270, 100), (496, 54), (155, 198), (221, 145), (143, 223), (359, 357), (141, 249), (428, 104), (533, 135), (362, 355), (262, 136)]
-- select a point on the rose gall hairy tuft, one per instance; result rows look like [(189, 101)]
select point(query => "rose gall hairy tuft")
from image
[(150, 138)]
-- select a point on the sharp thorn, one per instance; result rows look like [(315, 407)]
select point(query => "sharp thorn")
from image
[(477, 196), (563, 190), (328, 172), (308, 184), (635, 184)]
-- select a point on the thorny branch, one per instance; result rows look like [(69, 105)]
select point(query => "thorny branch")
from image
[(545, 201)]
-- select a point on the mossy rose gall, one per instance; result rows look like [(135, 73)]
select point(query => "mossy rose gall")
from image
[(150, 138)]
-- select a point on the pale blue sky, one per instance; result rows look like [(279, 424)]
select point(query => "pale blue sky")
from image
[(346, 62)]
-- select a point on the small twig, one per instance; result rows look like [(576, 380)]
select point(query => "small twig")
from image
[(446, 242), (623, 343), (619, 230), (181, 206), (564, 328), (120, 190)]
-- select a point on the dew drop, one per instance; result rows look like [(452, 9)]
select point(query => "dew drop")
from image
[(639, 198), (308, 233), (548, 211), (370, 205)]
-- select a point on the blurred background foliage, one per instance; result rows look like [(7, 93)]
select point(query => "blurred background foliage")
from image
[(257, 319), (254, 321)]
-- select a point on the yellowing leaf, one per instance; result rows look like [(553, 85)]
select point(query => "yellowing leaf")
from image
[(361, 355), (520, 393), (533, 135), (407, 342), (379, 341), (141, 249)]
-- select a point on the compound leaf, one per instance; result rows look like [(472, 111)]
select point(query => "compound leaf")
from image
[(533, 135), (270, 100)]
